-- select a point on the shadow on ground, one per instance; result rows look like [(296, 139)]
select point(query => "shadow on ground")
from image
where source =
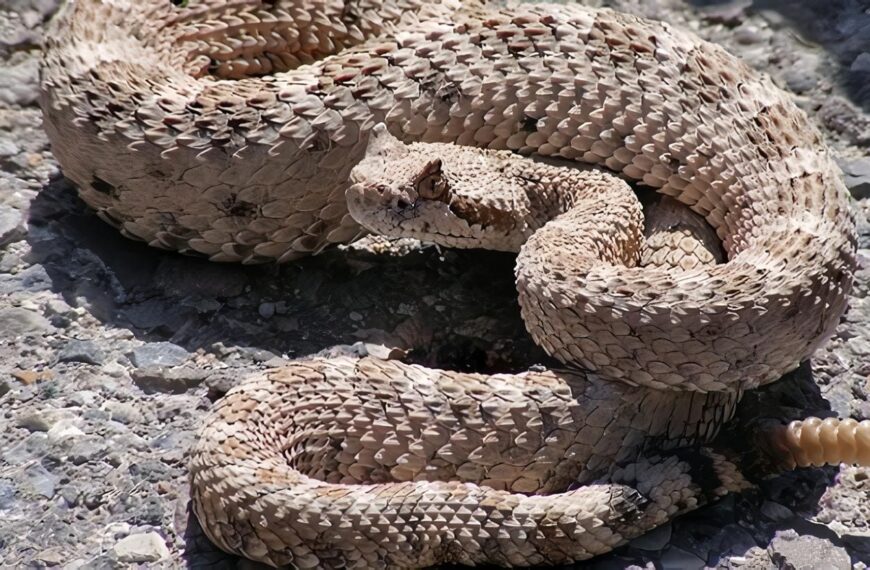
[(457, 308)]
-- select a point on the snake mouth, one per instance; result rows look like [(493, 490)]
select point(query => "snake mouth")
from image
[(385, 211)]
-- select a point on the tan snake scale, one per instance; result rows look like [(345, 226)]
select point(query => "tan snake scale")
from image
[(230, 129)]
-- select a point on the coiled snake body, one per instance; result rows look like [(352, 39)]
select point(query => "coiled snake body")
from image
[(231, 129)]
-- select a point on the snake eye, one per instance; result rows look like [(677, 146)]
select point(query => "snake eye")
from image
[(430, 183), (179, 3)]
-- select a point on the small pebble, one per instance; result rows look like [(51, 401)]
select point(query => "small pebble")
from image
[(267, 310)]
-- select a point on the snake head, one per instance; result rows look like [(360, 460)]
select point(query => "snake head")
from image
[(435, 192)]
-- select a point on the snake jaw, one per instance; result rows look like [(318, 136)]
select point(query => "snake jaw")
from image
[(399, 211)]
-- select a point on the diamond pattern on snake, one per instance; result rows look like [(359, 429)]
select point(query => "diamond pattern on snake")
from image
[(247, 131)]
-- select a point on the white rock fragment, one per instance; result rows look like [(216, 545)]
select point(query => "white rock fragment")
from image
[(144, 547)]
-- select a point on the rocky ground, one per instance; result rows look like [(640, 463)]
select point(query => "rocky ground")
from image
[(111, 352)]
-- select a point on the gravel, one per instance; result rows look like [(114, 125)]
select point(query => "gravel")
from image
[(112, 352)]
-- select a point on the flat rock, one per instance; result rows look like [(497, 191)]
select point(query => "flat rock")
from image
[(856, 174), (143, 547), (158, 354), (19, 81), (168, 380), (656, 539), (7, 494), (64, 429), (790, 551), (861, 63), (678, 559), (775, 511), (38, 480), (11, 224), (85, 351), (15, 321), (43, 420)]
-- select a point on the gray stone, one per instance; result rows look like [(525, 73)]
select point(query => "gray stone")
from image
[(861, 64), (34, 446), (85, 351), (748, 35), (614, 563), (70, 494), (731, 538), (64, 429), (35, 279), (256, 354), (7, 494), (730, 13), (8, 148), (856, 174), (142, 547), (151, 314), (11, 225), (753, 559), (42, 420), (19, 80), (168, 380), (841, 116), (38, 480), (266, 310), (51, 557), (86, 449), (158, 354), (775, 511), (656, 539), (799, 79), (42, 7), (123, 412), (791, 551), (15, 321), (14, 33), (85, 398), (678, 559)]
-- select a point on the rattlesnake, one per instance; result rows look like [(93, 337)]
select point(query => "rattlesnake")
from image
[(230, 129)]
